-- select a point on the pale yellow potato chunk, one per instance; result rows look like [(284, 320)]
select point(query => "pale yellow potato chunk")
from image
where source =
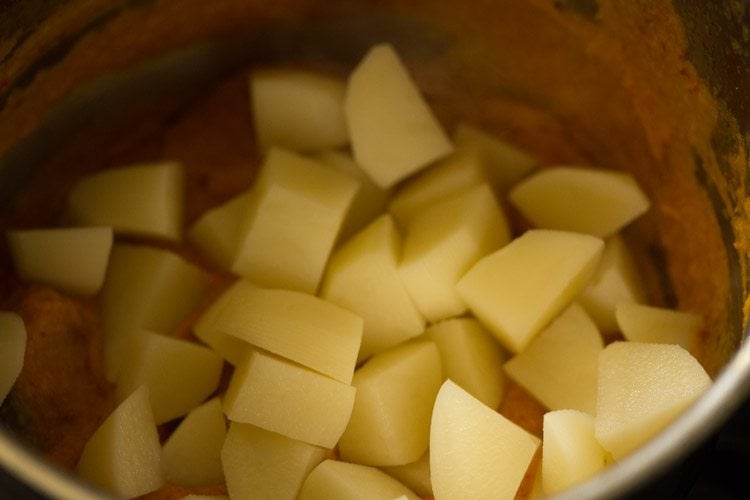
[(296, 210), (517, 290), (616, 280), (363, 277), (298, 109), (179, 374), (298, 326), (642, 323), (503, 163), (471, 357), (474, 451), (393, 131), (390, 422), (443, 241), (142, 199), (415, 476), (641, 389), (191, 456), (215, 233), (123, 456), (263, 464), (346, 481), (559, 366), (12, 350), (570, 451), (145, 288), (585, 200), (291, 400), (70, 259)]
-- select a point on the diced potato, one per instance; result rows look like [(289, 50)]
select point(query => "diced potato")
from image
[(415, 476), (12, 350), (517, 290), (642, 323), (263, 464), (123, 456), (179, 374), (616, 280), (363, 277), (585, 200), (216, 232), (70, 259), (297, 109), (145, 288), (459, 171), (504, 164), (390, 423), (295, 213), (443, 241), (471, 357), (570, 451), (393, 132), (474, 451), (559, 366), (301, 327), (370, 200), (191, 456), (345, 481), (293, 401), (143, 199), (641, 389)]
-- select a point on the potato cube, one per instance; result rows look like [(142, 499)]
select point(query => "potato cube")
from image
[(415, 475), (393, 132), (293, 401), (390, 422), (641, 389), (215, 233), (69, 259), (443, 241), (584, 200), (642, 323), (191, 456), (295, 213), (346, 481), (559, 366), (12, 350), (363, 277), (474, 451), (264, 464), (142, 199), (471, 357), (517, 290)]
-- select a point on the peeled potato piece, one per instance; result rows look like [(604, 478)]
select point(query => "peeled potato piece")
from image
[(642, 323), (346, 481), (12, 350), (216, 232), (415, 475)]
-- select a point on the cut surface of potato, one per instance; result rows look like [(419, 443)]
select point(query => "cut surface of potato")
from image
[(145, 288), (69, 259), (346, 481), (390, 422), (570, 451), (641, 389), (363, 277), (263, 464), (216, 232), (393, 132), (517, 290), (295, 213), (443, 241), (179, 374), (585, 200), (12, 350), (298, 326), (642, 323), (123, 456), (191, 456), (471, 357), (297, 109), (143, 199), (282, 397), (559, 366), (415, 476), (474, 451)]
